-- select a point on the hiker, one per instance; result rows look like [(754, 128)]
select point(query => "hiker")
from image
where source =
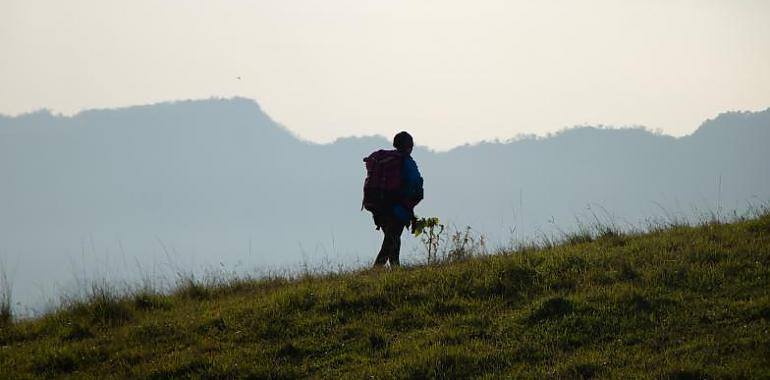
[(392, 189)]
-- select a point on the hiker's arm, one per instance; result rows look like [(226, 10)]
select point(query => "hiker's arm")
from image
[(414, 190)]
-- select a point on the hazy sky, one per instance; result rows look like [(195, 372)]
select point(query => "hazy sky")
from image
[(449, 71)]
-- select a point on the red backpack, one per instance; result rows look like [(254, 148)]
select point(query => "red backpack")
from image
[(383, 180)]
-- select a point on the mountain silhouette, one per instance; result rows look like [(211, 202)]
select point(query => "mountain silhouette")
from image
[(190, 184)]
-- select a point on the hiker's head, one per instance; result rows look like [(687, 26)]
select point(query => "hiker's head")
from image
[(403, 142)]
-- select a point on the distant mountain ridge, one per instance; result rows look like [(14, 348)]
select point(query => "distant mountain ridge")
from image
[(250, 111), (193, 183)]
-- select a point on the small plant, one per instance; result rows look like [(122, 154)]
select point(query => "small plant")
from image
[(459, 245), (430, 229), (464, 244)]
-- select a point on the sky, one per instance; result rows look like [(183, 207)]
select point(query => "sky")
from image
[(450, 72)]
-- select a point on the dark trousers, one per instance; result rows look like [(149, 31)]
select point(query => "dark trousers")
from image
[(391, 243)]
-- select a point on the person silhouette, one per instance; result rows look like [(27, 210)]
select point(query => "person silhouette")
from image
[(398, 212)]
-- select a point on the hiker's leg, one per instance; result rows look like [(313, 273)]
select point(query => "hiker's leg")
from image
[(395, 249), (391, 244), (382, 257)]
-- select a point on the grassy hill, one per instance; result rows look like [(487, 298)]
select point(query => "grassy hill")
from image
[(681, 302)]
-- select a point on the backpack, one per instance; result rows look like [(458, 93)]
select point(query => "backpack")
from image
[(383, 180)]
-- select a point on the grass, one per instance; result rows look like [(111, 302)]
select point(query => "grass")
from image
[(6, 290), (681, 302)]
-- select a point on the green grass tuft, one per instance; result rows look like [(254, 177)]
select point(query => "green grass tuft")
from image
[(103, 305), (6, 311)]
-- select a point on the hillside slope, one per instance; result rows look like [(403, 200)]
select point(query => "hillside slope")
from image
[(680, 302)]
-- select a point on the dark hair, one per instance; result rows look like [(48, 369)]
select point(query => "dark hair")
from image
[(402, 141)]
